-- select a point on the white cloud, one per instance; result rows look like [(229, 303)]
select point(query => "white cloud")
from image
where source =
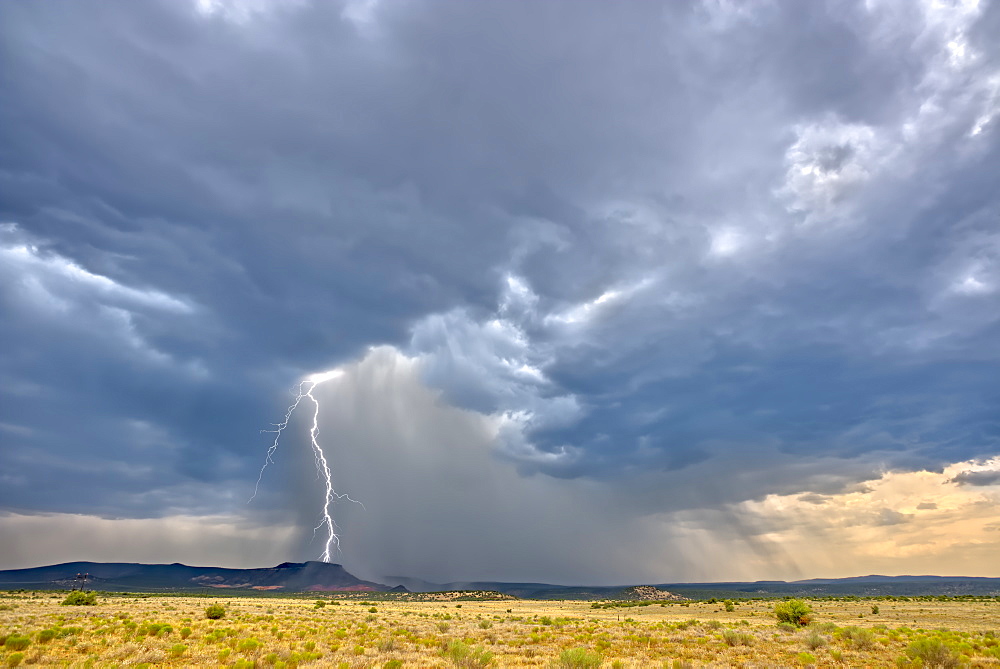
[(828, 162), (727, 241), (64, 295), (239, 11), (56, 279)]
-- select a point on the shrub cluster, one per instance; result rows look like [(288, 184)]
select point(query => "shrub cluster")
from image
[(215, 612), (80, 598), (794, 611)]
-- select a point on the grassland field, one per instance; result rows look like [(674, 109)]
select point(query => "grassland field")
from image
[(328, 631)]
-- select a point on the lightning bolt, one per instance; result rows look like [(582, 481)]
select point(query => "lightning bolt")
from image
[(305, 390)]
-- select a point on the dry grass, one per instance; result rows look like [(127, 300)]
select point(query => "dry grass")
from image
[(267, 631)]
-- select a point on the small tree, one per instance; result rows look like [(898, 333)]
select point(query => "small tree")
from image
[(215, 612), (794, 611)]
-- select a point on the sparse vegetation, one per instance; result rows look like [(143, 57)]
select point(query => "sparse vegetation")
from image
[(284, 632)]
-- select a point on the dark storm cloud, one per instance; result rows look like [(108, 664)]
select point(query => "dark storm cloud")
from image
[(749, 247), (978, 478)]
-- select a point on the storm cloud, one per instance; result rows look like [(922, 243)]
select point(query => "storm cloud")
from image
[(628, 275)]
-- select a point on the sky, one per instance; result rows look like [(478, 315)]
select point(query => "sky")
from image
[(632, 292)]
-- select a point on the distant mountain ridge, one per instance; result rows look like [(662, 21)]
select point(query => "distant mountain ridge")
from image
[(870, 586), (135, 577), (296, 577)]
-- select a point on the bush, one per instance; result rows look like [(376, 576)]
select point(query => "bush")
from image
[(80, 598), (15, 659), (794, 611), (393, 664), (734, 638), (462, 655), (177, 649), (16, 642), (46, 635), (815, 640), (807, 659), (858, 637), (578, 658), (932, 653), (215, 612)]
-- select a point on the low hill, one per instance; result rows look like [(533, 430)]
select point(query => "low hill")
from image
[(133, 577), (648, 593)]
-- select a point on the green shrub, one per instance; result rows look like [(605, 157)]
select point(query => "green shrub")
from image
[(185, 632), (578, 658), (814, 640), (215, 612), (932, 653), (393, 664), (794, 611), (80, 598), (462, 655), (734, 638), (46, 635), (14, 659), (858, 637), (17, 642), (807, 659), (177, 649)]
